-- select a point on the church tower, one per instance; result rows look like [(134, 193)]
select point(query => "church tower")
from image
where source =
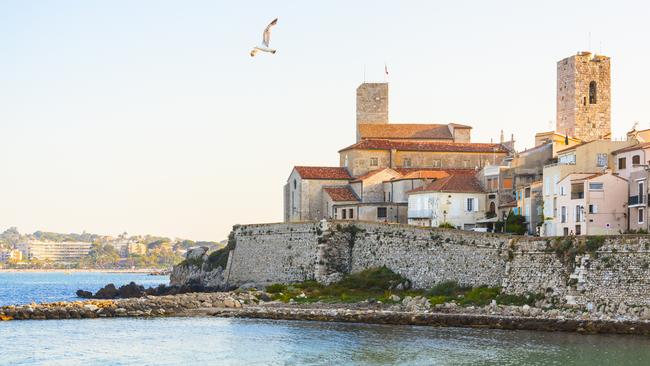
[(584, 97), (372, 104)]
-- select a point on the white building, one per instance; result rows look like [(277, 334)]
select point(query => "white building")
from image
[(458, 200)]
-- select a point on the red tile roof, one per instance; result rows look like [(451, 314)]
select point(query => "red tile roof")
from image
[(640, 146), (427, 146), (454, 183), (322, 172), (405, 131), (344, 193), (406, 171), (373, 172)]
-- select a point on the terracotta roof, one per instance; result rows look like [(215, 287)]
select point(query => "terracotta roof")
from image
[(344, 193), (405, 131), (632, 148), (427, 146), (454, 183), (322, 172), (424, 174), (405, 171), (373, 172)]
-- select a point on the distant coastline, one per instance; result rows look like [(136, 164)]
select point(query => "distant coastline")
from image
[(77, 270)]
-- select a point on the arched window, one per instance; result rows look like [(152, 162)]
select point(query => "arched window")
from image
[(636, 160), (593, 93), (492, 207)]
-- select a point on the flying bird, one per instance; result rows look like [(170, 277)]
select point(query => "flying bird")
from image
[(266, 38)]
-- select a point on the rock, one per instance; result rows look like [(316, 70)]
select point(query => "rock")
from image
[(131, 290), (229, 302), (107, 292), (84, 294), (196, 252), (415, 304), (394, 298), (91, 307)]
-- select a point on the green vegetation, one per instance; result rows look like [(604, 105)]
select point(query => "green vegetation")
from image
[(515, 224), (379, 284), (446, 225)]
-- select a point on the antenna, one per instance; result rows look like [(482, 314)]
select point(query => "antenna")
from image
[(589, 46)]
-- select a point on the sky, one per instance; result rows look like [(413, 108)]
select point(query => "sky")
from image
[(150, 117)]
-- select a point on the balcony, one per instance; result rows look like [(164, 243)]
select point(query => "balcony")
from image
[(637, 200), (420, 214), (577, 195)]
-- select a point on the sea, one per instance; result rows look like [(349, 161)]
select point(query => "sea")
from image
[(220, 341)]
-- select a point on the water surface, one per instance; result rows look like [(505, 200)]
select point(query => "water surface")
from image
[(25, 287)]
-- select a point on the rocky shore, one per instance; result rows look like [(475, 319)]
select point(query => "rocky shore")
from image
[(408, 311)]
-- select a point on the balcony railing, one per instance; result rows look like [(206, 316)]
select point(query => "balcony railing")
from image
[(417, 214), (577, 195)]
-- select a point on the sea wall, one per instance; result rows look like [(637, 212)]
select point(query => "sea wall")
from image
[(599, 272)]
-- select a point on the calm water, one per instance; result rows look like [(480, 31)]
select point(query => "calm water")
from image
[(25, 287), (214, 341)]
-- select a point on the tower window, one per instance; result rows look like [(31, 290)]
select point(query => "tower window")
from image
[(593, 93)]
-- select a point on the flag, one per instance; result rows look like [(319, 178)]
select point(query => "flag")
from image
[(385, 69)]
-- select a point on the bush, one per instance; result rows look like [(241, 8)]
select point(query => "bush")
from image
[(447, 288), (594, 243), (372, 279), (480, 296), (446, 225), (515, 224), (276, 288)]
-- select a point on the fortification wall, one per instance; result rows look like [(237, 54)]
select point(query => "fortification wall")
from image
[(613, 273)]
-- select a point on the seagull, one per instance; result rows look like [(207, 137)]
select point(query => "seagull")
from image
[(266, 37)]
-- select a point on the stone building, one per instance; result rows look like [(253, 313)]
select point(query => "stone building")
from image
[(387, 160), (584, 96)]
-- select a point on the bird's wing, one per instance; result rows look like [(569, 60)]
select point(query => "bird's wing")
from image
[(266, 37)]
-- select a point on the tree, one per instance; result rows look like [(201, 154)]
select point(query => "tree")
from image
[(515, 224)]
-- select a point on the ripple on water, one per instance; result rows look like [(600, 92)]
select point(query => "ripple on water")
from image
[(182, 341)]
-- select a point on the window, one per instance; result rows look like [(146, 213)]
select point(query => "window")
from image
[(641, 191), (556, 179), (436, 163), (554, 207), (595, 186), (344, 211), (547, 186), (334, 212), (527, 192), (295, 184), (601, 160), (621, 163), (578, 213), (381, 212), (507, 183), (374, 162), (578, 231), (568, 159), (470, 204), (641, 218), (406, 162), (351, 212), (566, 231), (593, 93), (636, 160), (346, 161), (593, 209), (563, 214)]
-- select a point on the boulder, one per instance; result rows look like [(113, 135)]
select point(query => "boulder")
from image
[(107, 292), (131, 290), (84, 294), (196, 252)]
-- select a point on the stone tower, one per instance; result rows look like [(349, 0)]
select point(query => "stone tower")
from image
[(372, 104), (584, 97)]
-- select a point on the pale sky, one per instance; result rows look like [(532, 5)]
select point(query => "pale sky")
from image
[(150, 117)]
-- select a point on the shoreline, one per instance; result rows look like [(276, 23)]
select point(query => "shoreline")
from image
[(251, 305), (76, 270)]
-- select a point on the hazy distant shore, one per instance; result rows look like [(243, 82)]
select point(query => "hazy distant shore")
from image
[(125, 270)]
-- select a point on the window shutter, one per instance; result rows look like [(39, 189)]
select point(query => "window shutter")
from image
[(475, 204), (595, 208)]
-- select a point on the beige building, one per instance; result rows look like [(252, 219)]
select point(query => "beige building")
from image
[(303, 193), (590, 204), (457, 199), (65, 251), (584, 97), (632, 164), (134, 248), (11, 255)]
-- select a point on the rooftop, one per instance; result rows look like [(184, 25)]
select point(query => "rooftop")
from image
[(372, 144), (341, 194), (643, 145), (461, 183), (408, 131), (322, 172)]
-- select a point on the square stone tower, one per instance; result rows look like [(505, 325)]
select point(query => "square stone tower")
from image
[(584, 97), (372, 104)]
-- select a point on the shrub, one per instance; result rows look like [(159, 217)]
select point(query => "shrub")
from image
[(276, 288), (447, 288), (446, 225), (480, 296), (515, 224), (594, 243), (372, 279)]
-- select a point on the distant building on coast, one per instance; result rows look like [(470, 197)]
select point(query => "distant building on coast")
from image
[(65, 251)]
